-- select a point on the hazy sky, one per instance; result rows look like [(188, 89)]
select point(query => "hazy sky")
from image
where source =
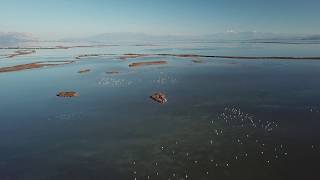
[(65, 18)]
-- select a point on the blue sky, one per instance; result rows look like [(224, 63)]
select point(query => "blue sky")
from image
[(70, 18)]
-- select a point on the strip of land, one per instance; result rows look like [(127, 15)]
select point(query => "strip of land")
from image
[(195, 57), (149, 63), (60, 47), (112, 72), (241, 57), (20, 53), (68, 94), (92, 55), (229, 57), (129, 56), (35, 65)]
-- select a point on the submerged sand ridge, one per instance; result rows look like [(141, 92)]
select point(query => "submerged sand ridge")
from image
[(84, 71), (112, 72)]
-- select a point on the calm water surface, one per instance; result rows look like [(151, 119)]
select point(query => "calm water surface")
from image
[(225, 118)]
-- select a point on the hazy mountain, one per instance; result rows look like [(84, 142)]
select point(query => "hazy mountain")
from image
[(15, 39), (311, 37), (225, 36), (250, 35), (123, 37)]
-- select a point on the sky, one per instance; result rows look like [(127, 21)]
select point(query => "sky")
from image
[(76, 18)]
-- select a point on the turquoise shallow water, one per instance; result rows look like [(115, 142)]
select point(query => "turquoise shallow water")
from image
[(225, 118)]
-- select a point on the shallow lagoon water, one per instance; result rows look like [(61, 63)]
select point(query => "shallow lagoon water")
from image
[(225, 118)]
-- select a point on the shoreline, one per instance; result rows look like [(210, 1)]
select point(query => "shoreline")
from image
[(194, 57), (136, 55)]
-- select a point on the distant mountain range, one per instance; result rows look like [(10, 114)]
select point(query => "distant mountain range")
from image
[(124, 37), (12, 38), (227, 36), (15, 37), (312, 37)]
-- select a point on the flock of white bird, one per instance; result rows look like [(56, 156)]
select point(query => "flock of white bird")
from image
[(234, 137)]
